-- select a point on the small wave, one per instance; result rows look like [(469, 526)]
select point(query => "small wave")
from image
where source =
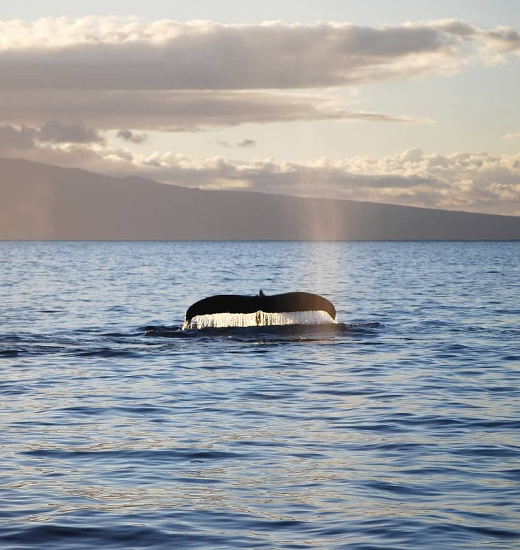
[(147, 456), (9, 353), (62, 535), (106, 353), (9, 388), (281, 333), (167, 331), (118, 344), (400, 489), (492, 451)]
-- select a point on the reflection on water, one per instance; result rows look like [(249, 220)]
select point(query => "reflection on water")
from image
[(121, 430)]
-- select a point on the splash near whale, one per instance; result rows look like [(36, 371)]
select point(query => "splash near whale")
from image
[(291, 308)]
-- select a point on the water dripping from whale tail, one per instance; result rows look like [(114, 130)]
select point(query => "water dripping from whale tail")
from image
[(291, 308)]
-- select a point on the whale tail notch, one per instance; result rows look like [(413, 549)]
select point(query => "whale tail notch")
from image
[(291, 308)]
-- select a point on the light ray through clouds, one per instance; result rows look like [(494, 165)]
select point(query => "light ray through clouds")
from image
[(66, 84)]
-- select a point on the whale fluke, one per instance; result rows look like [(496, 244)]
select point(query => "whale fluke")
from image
[(290, 308)]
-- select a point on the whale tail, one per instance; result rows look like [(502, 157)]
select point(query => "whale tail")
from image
[(291, 308)]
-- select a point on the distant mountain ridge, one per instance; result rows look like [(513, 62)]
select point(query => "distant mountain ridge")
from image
[(44, 202)]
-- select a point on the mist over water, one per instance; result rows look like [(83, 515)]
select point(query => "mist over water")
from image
[(120, 430)]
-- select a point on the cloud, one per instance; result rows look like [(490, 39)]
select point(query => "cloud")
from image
[(55, 131), (128, 135), (224, 143), (24, 138), (114, 73), (246, 143), (107, 53), (178, 110), (511, 136), (16, 139), (471, 181)]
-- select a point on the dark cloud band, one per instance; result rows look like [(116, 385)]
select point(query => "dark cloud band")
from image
[(176, 111), (112, 54)]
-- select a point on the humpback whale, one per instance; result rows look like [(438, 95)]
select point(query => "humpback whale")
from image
[(290, 308)]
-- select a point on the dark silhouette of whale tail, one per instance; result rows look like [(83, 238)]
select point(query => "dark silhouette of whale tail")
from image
[(291, 308)]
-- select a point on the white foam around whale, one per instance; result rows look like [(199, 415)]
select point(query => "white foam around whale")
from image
[(259, 319)]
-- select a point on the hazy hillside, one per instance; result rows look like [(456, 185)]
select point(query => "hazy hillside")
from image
[(39, 201)]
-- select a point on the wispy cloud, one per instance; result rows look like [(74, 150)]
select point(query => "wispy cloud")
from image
[(245, 143), (132, 137), (224, 143), (509, 137), (178, 111)]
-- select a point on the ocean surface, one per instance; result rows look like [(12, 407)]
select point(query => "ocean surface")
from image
[(399, 428)]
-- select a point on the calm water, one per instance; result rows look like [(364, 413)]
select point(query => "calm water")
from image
[(402, 434)]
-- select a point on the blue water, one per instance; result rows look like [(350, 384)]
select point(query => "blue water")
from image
[(118, 431)]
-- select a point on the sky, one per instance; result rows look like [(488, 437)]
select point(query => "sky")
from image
[(406, 102)]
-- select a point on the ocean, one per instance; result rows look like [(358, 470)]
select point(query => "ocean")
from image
[(399, 428)]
